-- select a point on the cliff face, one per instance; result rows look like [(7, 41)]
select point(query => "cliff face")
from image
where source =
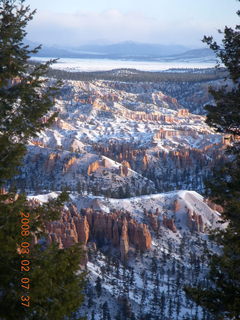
[(93, 167), (117, 229), (71, 228)]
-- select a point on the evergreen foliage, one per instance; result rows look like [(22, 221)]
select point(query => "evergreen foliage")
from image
[(56, 284), (25, 95), (223, 297)]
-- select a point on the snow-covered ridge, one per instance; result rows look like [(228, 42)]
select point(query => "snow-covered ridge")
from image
[(176, 257), (175, 205)]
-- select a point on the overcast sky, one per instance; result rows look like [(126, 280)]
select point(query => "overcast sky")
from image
[(77, 22)]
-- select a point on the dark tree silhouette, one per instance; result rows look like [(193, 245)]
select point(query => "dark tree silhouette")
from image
[(223, 298), (54, 288)]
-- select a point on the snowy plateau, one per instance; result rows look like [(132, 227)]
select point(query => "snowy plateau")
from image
[(122, 149)]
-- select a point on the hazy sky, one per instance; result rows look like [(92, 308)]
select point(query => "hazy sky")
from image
[(77, 22)]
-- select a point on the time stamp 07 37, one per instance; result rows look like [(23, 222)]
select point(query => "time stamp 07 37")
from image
[(24, 251)]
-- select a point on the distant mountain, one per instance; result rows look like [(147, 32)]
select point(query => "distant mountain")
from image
[(126, 50), (197, 53), (51, 51), (130, 48)]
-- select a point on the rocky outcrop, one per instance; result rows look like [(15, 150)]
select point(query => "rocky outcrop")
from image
[(168, 119), (214, 206), (153, 221), (52, 158), (139, 235), (124, 168), (68, 164), (126, 164), (82, 228), (169, 223), (38, 143), (63, 125), (183, 113), (117, 229), (77, 146), (145, 162), (68, 230), (124, 244), (168, 134), (116, 234), (93, 167), (195, 221), (99, 104), (176, 205), (142, 116), (144, 237)]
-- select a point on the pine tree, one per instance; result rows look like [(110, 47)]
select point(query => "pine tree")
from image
[(25, 96), (223, 298), (105, 311), (42, 277), (98, 286), (93, 315)]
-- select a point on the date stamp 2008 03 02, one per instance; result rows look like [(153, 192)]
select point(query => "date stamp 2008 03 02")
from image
[(24, 251)]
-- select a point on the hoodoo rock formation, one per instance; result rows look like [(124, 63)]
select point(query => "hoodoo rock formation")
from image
[(169, 223), (117, 229), (70, 229), (124, 242), (195, 221), (153, 221), (124, 168)]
